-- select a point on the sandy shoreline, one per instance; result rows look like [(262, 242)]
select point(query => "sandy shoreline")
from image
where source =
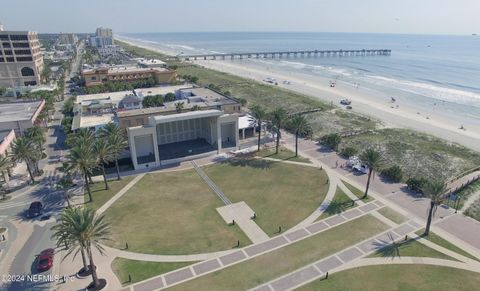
[(318, 87)]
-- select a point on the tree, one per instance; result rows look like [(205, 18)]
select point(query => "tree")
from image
[(300, 126), (83, 230), (104, 152), (116, 139), (3, 90), (332, 141), (36, 135), (169, 97), (373, 160), (179, 106), (435, 191), (259, 113), (22, 151), (82, 159), (64, 184), (278, 117), (5, 166), (195, 108)]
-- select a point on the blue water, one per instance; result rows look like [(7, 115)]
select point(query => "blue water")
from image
[(442, 71)]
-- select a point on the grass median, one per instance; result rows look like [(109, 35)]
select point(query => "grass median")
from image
[(141, 270), (398, 277), (271, 265)]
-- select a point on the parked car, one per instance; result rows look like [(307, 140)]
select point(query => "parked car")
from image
[(35, 209), (45, 260), (360, 168), (345, 102)]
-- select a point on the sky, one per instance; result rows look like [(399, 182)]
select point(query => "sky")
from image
[(369, 16)]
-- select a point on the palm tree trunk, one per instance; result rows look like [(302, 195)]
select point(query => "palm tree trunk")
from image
[(368, 183), (96, 282), (90, 179), (67, 199), (118, 169), (84, 259), (104, 177), (88, 187), (296, 144), (30, 171), (278, 140), (429, 220), (259, 133)]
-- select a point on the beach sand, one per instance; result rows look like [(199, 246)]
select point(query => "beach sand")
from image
[(318, 87)]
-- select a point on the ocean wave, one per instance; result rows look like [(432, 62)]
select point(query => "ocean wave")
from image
[(433, 91), (179, 46)]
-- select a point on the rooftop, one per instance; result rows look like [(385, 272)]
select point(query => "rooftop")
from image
[(92, 120), (122, 69), (18, 111)]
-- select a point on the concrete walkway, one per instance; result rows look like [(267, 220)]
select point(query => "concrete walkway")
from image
[(242, 215), (193, 271), (119, 194), (396, 197)]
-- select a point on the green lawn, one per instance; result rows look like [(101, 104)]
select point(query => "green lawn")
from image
[(171, 213), (340, 203), (357, 192), (266, 267), (392, 215), (283, 154), (444, 243), (281, 194), (100, 195), (398, 277), (141, 270), (409, 248)]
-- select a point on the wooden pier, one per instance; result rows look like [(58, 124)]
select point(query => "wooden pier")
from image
[(287, 54)]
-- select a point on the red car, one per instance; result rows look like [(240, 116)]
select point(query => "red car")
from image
[(45, 260)]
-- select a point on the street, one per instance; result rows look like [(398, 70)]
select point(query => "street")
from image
[(18, 261)]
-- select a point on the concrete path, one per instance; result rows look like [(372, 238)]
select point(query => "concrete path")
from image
[(242, 215), (193, 271), (119, 194), (395, 195), (319, 268)]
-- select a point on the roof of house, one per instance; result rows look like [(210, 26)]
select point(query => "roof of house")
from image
[(18, 111)]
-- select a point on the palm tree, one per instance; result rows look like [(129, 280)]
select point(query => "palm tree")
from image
[(5, 165), (259, 113), (104, 152), (300, 125), (83, 230), (22, 151), (373, 160), (117, 141), (179, 106), (278, 117), (64, 184), (435, 191), (82, 159), (36, 135)]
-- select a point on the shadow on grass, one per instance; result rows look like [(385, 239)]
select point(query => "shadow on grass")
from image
[(337, 207), (391, 248), (249, 162)]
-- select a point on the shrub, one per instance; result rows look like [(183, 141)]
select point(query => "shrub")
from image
[(169, 97), (349, 151), (394, 174), (331, 140), (416, 184)]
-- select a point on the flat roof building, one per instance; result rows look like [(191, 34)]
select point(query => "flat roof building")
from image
[(21, 62), (102, 75), (19, 116), (207, 123)]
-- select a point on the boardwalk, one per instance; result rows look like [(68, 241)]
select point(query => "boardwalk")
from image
[(281, 54)]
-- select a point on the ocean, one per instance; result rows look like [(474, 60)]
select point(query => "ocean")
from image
[(432, 73)]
